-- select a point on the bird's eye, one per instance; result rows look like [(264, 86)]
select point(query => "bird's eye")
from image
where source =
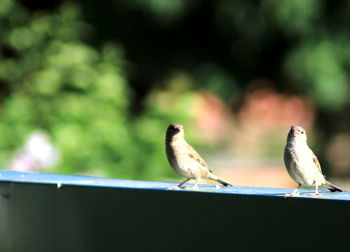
[(302, 132)]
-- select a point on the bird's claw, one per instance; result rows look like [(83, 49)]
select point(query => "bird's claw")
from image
[(192, 188), (291, 194), (175, 188)]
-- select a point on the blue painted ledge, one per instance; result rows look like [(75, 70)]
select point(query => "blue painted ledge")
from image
[(70, 180), (49, 212)]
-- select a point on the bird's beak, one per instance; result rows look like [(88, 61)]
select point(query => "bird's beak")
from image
[(179, 127), (296, 133)]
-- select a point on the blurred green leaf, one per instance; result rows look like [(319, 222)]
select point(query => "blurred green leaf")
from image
[(319, 66), (79, 95)]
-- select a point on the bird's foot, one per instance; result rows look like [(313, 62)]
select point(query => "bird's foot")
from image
[(175, 188), (195, 187), (315, 194), (291, 194)]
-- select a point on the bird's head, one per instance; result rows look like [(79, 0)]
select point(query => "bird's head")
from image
[(174, 130), (297, 133)]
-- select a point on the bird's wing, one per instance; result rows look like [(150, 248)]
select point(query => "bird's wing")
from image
[(195, 156), (290, 163), (317, 163)]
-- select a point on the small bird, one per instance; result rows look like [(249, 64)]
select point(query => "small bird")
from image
[(185, 160), (302, 164)]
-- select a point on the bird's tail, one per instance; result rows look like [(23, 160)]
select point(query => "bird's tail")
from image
[(221, 181), (333, 188)]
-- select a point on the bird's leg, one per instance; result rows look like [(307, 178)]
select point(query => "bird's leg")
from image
[(195, 186), (316, 192), (294, 193), (183, 182), (179, 186)]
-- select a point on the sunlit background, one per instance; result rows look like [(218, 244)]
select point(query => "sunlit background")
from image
[(89, 87)]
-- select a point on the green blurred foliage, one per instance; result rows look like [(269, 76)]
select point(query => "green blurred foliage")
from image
[(301, 45), (79, 95), (321, 64), (165, 12), (106, 104)]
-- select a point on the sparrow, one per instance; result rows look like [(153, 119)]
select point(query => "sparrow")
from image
[(185, 160), (302, 164)]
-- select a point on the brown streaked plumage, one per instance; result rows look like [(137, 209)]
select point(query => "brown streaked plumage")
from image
[(302, 164), (185, 160)]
